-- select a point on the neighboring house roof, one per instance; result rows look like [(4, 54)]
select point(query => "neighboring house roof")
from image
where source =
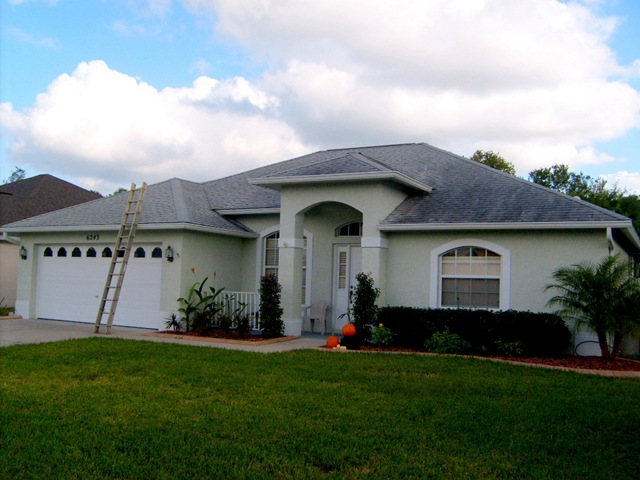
[(447, 191), (37, 195)]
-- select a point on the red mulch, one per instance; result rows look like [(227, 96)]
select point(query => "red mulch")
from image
[(216, 333), (569, 361)]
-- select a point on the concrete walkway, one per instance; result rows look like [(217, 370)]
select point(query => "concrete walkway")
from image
[(24, 331)]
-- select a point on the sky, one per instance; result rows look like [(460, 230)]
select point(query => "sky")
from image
[(103, 93)]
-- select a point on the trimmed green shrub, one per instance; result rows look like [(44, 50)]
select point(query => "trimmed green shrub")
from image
[(488, 332), (445, 342), (270, 309)]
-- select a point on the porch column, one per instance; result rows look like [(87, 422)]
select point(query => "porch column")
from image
[(374, 261), (291, 245)]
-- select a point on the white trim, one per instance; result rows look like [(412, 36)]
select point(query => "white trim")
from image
[(248, 211), (374, 242), (505, 269), (408, 227), (114, 228), (275, 182)]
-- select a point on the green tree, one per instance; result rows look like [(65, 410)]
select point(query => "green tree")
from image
[(270, 309), (558, 177), (494, 160), (17, 174), (364, 308), (604, 297)]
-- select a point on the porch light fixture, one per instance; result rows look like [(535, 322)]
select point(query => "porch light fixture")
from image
[(169, 253), (23, 252)]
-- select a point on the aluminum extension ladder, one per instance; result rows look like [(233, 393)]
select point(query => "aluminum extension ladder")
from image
[(120, 257)]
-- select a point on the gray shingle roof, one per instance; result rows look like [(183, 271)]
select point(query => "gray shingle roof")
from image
[(37, 195), (463, 192), (172, 202)]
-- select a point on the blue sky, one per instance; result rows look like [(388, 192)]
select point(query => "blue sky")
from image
[(107, 92)]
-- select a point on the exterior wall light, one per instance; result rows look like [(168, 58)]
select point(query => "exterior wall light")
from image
[(23, 252), (169, 253)]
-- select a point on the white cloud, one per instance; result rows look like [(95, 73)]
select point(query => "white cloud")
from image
[(102, 121), (38, 41), (533, 80), (625, 180)]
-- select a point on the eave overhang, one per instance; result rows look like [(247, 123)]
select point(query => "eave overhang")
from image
[(276, 183), (148, 227)]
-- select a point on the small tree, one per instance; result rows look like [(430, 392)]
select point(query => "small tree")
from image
[(16, 174), (364, 309), (604, 297), (494, 160), (270, 309)]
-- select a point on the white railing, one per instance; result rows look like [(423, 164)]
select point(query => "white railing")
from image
[(246, 302)]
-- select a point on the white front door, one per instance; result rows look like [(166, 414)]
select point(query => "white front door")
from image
[(347, 264)]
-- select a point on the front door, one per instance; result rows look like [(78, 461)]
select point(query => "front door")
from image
[(347, 264)]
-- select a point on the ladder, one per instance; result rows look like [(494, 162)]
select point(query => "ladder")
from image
[(120, 256)]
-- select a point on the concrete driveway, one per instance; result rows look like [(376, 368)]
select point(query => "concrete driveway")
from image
[(24, 331)]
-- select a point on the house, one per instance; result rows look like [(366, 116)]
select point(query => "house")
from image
[(23, 199), (434, 229)]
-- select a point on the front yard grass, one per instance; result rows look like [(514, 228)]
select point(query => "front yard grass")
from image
[(107, 408)]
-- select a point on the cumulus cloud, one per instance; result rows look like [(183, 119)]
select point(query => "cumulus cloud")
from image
[(533, 80), (106, 122)]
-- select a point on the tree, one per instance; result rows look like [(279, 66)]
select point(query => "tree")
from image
[(558, 177), (494, 160), (604, 297), (17, 174), (363, 305), (270, 309)]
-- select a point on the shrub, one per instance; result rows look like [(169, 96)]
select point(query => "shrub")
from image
[(382, 335), (488, 332), (445, 342), (364, 309), (270, 309)]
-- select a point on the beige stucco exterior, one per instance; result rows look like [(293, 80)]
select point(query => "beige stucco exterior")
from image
[(404, 264), (9, 255)]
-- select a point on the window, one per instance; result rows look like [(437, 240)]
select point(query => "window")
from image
[(121, 252), (271, 259), (106, 252), (271, 255), (470, 277), (62, 252), (156, 253), (76, 252), (91, 252), (48, 252), (353, 229), (139, 253)]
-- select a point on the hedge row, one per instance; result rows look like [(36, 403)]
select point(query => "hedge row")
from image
[(488, 332)]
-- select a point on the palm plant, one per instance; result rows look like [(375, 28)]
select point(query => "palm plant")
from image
[(605, 297)]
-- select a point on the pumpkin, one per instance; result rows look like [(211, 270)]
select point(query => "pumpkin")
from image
[(332, 341), (349, 330)]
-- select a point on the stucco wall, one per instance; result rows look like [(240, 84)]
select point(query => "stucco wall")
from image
[(534, 256), (8, 273)]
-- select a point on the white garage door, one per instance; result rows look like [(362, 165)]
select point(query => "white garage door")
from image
[(71, 279)]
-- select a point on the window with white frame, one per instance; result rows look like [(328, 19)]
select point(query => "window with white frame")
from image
[(470, 277), (271, 260)]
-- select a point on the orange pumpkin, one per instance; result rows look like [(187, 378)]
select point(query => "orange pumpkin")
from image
[(349, 330), (333, 341)]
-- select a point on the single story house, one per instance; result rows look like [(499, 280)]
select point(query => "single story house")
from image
[(433, 228), (23, 199)]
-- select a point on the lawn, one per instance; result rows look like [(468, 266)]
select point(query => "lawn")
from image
[(107, 408)]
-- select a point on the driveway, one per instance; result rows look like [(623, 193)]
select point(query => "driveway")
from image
[(25, 331)]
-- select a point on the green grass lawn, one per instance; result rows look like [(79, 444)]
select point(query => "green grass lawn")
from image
[(107, 408)]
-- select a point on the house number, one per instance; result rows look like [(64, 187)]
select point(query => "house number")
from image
[(93, 237)]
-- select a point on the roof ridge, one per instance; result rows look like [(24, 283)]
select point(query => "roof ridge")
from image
[(179, 202)]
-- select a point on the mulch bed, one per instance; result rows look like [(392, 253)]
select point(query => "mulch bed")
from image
[(217, 334), (568, 361)]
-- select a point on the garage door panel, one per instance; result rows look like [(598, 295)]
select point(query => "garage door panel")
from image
[(70, 288)]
